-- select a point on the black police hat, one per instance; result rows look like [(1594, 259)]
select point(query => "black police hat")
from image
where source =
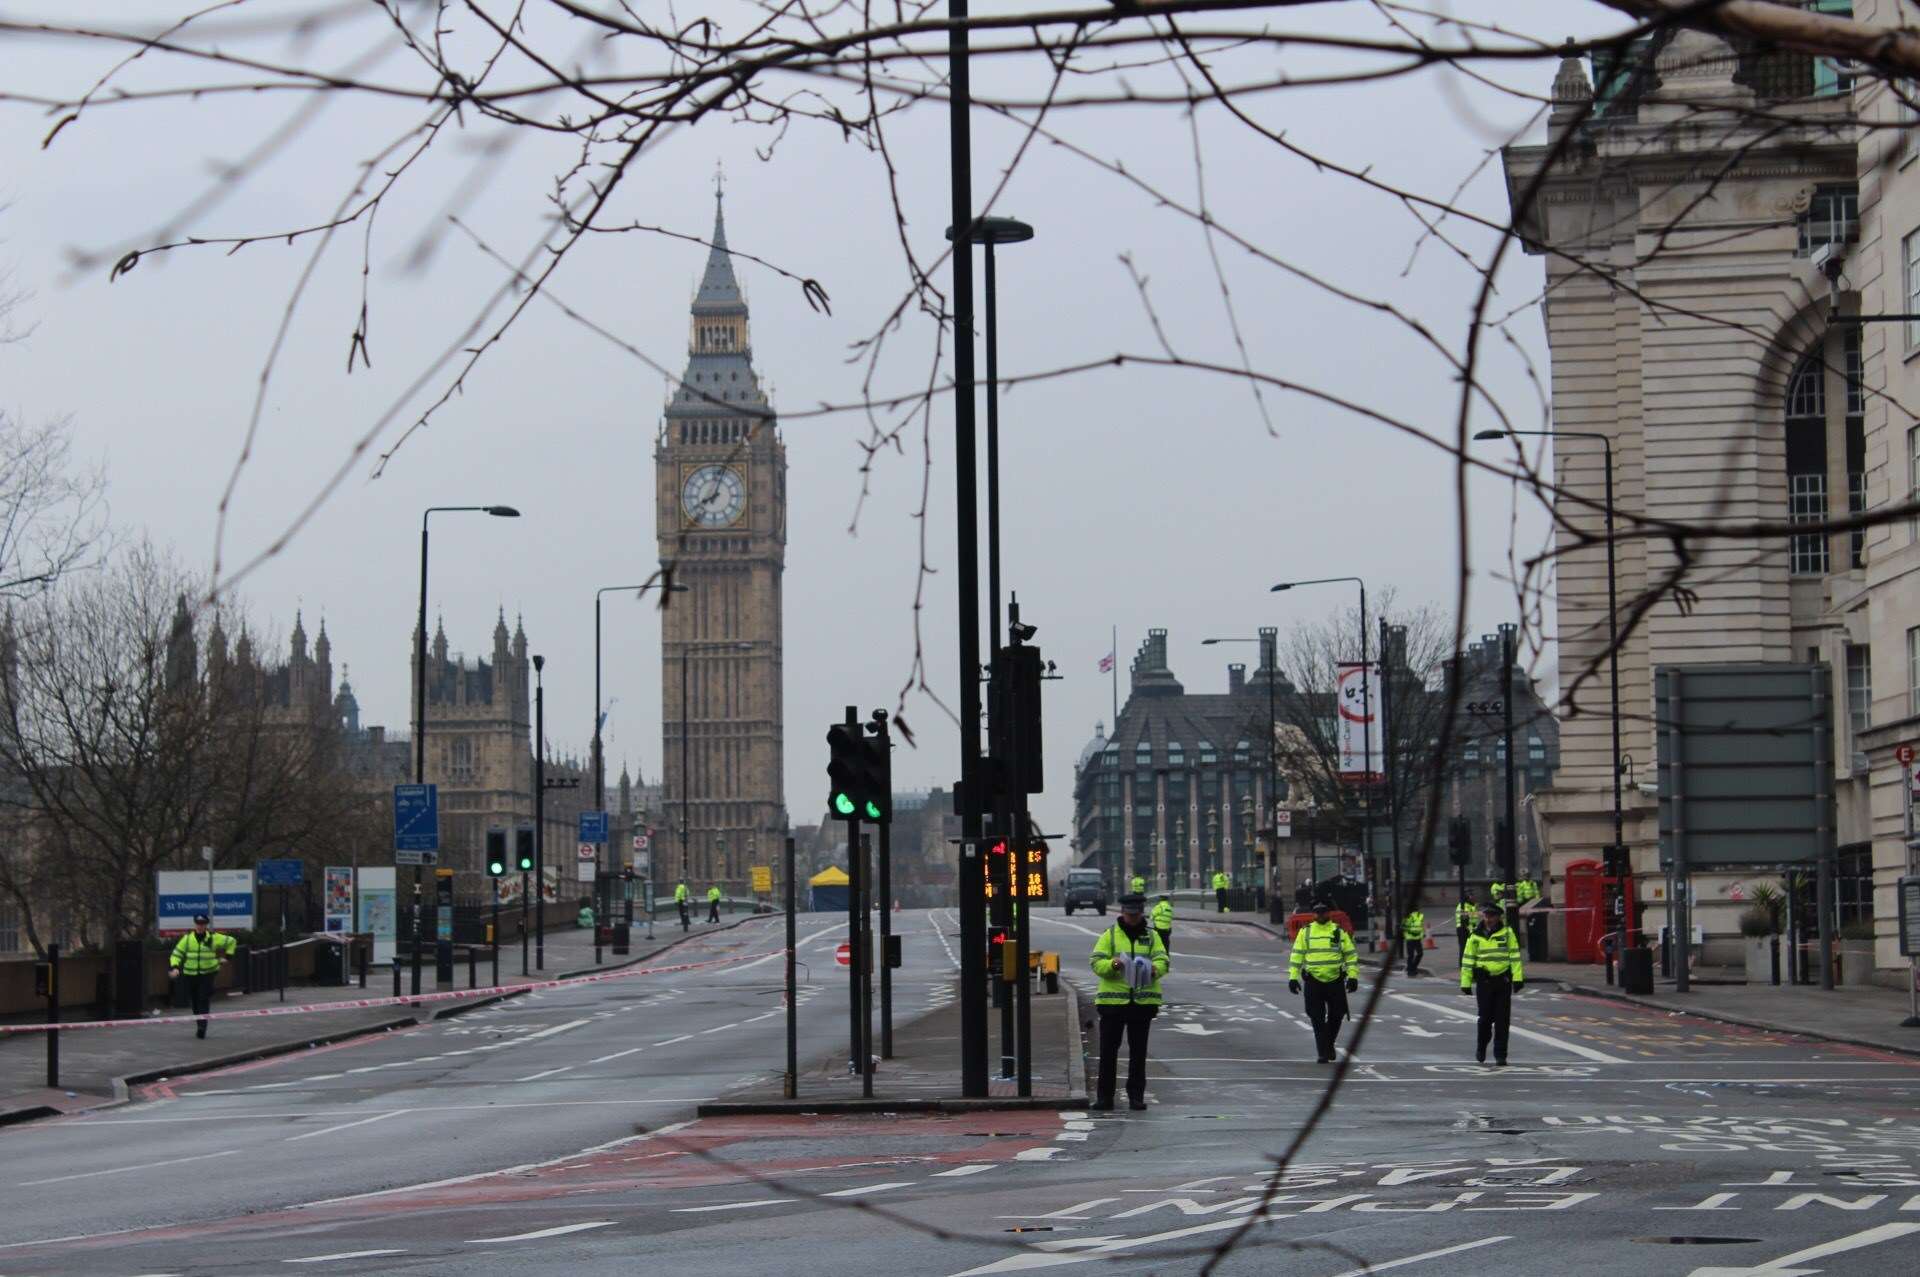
[(1133, 902), (200, 917), (1323, 904)]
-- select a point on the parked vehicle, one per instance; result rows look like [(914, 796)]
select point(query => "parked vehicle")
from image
[(1086, 889)]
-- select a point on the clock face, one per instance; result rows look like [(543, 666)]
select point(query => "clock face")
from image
[(713, 496)]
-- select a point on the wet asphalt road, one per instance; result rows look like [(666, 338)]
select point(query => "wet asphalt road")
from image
[(557, 1135)]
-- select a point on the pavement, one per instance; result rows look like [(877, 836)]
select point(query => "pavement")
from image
[(97, 1065), (1621, 1136)]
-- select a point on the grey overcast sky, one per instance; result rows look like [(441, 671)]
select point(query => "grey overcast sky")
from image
[(1132, 497)]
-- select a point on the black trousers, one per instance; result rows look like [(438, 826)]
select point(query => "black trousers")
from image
[(713, 911), (1166, 937), (1461, 933), (1220, 898), (1133, 1022), (1416, 949), (1326, 1007), (200, 993), (685, 921), (1494, 993)]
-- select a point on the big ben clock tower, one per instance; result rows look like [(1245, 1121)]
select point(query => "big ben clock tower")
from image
[(721, 493)]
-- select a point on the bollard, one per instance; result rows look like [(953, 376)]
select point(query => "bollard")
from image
[(53, 1016), (473, 967), (364, 955), (396, 971)]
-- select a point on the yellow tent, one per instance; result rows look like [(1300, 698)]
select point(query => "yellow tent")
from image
[(827, 889)]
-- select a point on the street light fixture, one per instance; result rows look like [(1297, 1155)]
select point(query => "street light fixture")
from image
[(1618, 856), (420, 705), (1366, 711)]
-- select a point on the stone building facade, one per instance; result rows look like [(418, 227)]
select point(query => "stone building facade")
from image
[(721, 499), (1681, 227)]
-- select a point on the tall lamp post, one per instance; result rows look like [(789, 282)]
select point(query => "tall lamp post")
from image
[(420, 696), (1272, 662), (686, 713), (600, 718), (539, 814), (1617, 854), (1366, 705)]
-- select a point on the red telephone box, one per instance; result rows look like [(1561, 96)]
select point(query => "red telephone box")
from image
[(1588, 889)]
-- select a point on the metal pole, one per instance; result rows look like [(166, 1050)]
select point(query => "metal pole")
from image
[(1680, 925), (1273, 767), (686, 650), (1509, 851), (886, 925), (494, 935), (855, 1061), (1366, 737), (53, 1015), (792, 1088), (993, 450), (603, 904), (973, 921), (539, 815), (1400, 906), (866, 971), (1625, 868), (419, 729), (283, 944), (526, 932)]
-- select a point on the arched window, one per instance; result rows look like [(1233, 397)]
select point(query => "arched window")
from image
[(1807, 440)]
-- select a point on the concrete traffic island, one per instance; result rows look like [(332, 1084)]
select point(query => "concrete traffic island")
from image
[(923, 1075)]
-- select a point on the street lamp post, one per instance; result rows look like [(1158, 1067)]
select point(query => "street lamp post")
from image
[(1272, 662), (687, 650), (1617, 856), (420, 703), (539, 815), (1366, 706), (599, 717)]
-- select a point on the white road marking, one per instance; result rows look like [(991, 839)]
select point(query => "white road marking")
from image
[(610, 1145), (1778, 1267), (365, 1121), (1584, 1052), (684, 1037), (957, 1171), (535, 1077), (718, 1028), (864, 1189), (121, 1170), (345, 1254), (1040, 1154), (617, 1055), (1415, 1259), (701, 1210), (537, 1234)]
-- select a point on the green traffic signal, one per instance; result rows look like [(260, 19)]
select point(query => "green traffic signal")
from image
[(526, 864), (843, 804), (495, 868), (873, 810)]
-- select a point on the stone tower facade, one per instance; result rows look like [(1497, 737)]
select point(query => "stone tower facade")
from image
[(721, 496)]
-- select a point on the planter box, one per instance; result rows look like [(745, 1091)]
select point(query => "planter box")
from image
[(1760, 959), (1856, 962)]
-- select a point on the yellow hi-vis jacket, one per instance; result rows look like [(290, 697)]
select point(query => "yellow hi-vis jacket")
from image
[(1138, 885), (1463, 916), (1493, 953), (680, 894), (1163, 915), (1527, 891), (1110, 952), (1221, 881), (1324, 951), (1414, 927), (713, 893), (195, 954)]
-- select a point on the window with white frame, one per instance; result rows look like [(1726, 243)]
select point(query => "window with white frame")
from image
[(1910, 253), (1857, 504), (1913, 670), (1807, 503), (1913, 475), (1859, 687)]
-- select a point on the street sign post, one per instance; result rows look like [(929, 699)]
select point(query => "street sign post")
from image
[(279, 873), (416, 824), (180, 894), (762, 880), (844, 954), (593, 826)]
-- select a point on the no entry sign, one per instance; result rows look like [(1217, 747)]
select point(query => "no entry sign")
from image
[(844, 954)]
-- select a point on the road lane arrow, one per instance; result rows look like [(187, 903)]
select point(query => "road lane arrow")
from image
[(1780, 1267), (1188, 1026), (1419, 1032)]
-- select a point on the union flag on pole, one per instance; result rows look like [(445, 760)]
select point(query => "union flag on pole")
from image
[(1106, 663)]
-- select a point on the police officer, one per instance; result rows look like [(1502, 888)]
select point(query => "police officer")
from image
[(1413, 930), (1220, 884), (1129, 959), (713, 903), (1323, 955), (197, 958), (1163, 920), (1463, 918), (1138, 886), (1526, 891), (1491, 971), (680, 898)]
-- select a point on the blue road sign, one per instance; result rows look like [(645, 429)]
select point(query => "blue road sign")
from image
[(416, 824), (278, 873), (593, 826)]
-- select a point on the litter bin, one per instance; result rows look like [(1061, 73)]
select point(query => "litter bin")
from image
[(326, 965), (622, 939), (1636, 971), (1537, 938)]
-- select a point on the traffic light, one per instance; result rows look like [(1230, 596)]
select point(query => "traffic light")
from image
[(1459, 840), (523, 844), (999, 954), (1014, 727), (859, 773), (843, 766), (876, 776), (496, 852)]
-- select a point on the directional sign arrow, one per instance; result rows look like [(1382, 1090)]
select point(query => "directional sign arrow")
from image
[(1195, 1030), (1419, 1032), (1780, 1267)]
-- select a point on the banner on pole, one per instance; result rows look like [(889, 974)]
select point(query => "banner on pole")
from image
[(226, 895), (336, 897), (1359, 726)]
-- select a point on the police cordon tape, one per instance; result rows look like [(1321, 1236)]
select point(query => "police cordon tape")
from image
[(358, 1004)]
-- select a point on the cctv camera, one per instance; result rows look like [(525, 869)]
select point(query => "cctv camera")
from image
[(1828, 259), (1022, 632)]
